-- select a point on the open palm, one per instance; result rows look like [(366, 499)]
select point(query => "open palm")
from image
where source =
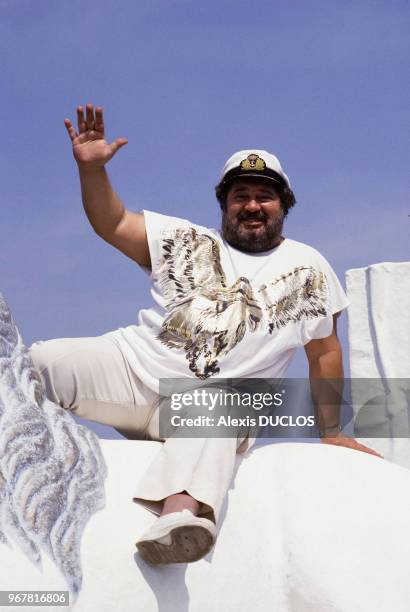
[(89, 145)]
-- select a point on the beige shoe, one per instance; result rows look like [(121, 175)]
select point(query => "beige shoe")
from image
[(178, 537)]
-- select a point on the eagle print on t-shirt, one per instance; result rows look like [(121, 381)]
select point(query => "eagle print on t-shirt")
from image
[(208, 318)]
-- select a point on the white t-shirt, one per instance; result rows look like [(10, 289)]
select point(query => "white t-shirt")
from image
[(220, 312)]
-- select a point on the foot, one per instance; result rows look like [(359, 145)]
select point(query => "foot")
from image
[(179, 502), (178, 537)]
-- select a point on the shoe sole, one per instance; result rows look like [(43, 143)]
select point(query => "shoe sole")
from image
[(189, 543)]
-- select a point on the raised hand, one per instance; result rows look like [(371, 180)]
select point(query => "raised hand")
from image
[(90, 149)]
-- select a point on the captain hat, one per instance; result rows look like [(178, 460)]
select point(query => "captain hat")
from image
[(253, 162)]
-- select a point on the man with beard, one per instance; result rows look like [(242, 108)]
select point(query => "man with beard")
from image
[(234, 304)]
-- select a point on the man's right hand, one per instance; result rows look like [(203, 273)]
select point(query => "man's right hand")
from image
[(122, 228), (90, 149)]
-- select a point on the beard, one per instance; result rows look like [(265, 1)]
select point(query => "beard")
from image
[(253, 240)]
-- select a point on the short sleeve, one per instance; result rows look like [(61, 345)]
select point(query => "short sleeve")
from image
[(156, 226), (335, 300), (338, 297)]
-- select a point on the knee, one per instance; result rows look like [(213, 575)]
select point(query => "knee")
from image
[(55, 372), (39, 354)]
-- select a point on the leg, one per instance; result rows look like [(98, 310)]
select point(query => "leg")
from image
[(90, 377), (187, 483), (179, 502), (200, 467), (188, 480), (191, 467)]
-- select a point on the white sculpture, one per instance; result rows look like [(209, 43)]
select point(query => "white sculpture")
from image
[(51, 469), (379, 344)]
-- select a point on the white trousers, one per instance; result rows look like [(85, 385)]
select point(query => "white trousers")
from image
[(91, 377)]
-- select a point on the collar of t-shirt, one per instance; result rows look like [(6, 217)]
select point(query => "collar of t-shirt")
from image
[(249, 265)]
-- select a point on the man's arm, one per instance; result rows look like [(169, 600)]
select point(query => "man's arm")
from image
[(326, 363), (118, 226)]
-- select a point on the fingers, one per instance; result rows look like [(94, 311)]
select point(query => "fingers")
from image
[(82, 126), (365, 449), (89, 116), (117, 144), (99, 119), (89, 122), (351, 443), (70, 129)]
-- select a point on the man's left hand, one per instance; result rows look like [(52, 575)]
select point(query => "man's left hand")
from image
[(341, 440)]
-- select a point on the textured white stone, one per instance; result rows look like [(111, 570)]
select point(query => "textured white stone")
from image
[(51, 469), (305, 528), (379, 349)]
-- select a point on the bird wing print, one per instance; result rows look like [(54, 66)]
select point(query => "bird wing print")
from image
[(189, 262), (207, 318), (209, 324), (300, 293)]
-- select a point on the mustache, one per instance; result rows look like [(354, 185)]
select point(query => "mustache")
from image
[(246, 216)]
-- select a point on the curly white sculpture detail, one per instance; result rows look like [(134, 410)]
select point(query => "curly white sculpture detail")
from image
[(52, 470)]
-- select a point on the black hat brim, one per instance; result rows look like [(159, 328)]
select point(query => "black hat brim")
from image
[(268, 174)]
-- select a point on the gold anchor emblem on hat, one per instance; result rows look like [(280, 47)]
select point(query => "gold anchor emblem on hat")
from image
[(253, 162)]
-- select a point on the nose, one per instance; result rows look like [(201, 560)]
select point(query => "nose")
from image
[(252, 205)]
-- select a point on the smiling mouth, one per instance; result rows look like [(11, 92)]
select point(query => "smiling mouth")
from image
[(250, 223)]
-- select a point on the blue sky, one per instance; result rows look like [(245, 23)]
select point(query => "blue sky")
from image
[(323, 85)]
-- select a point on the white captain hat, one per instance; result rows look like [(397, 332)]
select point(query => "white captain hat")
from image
[(253, 162)]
